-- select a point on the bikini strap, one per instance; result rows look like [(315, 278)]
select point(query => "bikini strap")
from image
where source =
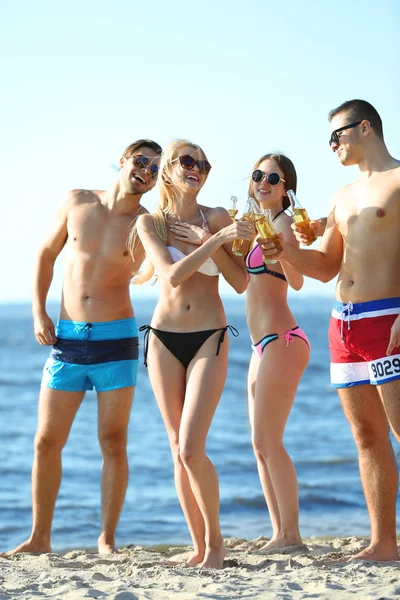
[(279, 213), (205, 222), (146, 329), (275, 274), (233, 331)]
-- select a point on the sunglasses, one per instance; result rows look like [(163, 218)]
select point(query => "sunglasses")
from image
[(335, 138), (272, 178), (144, 162), (188, 162)]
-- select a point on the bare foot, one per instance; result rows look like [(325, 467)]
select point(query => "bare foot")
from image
[(214, 558), (280, 543), (28, 546), (191, 559), (105, 546), (195, 559), (377, 553)]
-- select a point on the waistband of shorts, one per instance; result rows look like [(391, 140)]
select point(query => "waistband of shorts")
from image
[(97, 330), (365, 310)]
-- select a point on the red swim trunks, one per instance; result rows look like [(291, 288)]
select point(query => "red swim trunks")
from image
[(359, 335)]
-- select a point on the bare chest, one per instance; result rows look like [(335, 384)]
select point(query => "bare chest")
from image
[(93, 231), (369, 209)]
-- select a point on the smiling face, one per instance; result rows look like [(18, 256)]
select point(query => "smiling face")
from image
[(350, 140), (187, 179), (269, 196), (137, 177)]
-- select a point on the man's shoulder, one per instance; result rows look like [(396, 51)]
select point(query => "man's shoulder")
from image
[(396, 170), (78, 196)]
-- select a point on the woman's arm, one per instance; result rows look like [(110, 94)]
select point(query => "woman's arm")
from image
[(232, 267), (177, 273)]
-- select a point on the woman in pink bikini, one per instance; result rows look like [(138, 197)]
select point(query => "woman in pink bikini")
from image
[(186, 346), (281, 352)]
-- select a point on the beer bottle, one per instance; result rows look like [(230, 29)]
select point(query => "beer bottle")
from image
[(232, 210), (264, 226), (301, 218), (241, 247)]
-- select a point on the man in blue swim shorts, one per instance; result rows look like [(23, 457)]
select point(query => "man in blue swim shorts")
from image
[(361, 244), (95, 342)]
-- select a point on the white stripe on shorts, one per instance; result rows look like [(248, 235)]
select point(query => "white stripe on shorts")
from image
[(348, 374), (365, 315)]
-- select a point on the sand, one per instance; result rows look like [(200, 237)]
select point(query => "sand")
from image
[(318, 570)]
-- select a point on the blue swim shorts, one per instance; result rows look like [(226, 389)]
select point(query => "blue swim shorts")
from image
[(101, 355)]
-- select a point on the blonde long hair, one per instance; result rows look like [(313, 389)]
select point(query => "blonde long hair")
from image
[(168, 199)]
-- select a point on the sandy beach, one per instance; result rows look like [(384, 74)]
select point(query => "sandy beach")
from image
[(319, 569)]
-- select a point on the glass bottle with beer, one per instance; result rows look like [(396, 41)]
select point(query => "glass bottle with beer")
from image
[(264, 226), (241, 247), (301, 218), (232, 210)]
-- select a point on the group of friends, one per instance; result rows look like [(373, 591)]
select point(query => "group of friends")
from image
[(107, 234)]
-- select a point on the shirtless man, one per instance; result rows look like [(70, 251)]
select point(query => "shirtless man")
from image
[(362, 243), (95, 343)]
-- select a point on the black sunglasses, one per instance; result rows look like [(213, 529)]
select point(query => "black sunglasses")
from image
[(188, 162), (272, 178), (144, 162), (335, 138)]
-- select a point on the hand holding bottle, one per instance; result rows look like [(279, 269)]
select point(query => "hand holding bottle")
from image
[(264, 226), (302, 220), (241, 245), (317, 226), (241, 231), (273, 249)]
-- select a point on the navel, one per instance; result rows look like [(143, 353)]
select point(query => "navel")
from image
[(380, 212), (126, 253)]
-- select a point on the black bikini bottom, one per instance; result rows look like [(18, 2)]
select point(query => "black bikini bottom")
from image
[(184, 346)]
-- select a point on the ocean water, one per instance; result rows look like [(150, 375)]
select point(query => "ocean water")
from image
[(317, 437)]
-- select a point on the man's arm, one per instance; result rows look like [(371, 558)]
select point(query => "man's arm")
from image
[(43, 273), (322, 264)]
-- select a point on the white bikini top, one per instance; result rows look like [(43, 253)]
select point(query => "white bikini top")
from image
[(209, 266)]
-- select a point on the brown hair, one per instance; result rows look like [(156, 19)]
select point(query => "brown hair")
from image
[(358, 110), (289, 174), (132, 148)]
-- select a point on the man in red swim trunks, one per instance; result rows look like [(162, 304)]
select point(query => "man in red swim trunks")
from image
[(362, 243)]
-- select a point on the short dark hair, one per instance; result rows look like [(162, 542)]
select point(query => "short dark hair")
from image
[(289, 172), (131, 149), (358, 110)]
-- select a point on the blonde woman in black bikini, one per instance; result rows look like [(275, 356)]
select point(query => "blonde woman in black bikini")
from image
[(186, 346)]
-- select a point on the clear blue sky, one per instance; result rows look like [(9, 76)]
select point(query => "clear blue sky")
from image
[(82, 79)]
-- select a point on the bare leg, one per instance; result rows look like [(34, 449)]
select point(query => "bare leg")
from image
[(390, 395), (262, 467), (205, 381), (57, 410), (114, 411), (366, 415), (168, 379), (275, 390)]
